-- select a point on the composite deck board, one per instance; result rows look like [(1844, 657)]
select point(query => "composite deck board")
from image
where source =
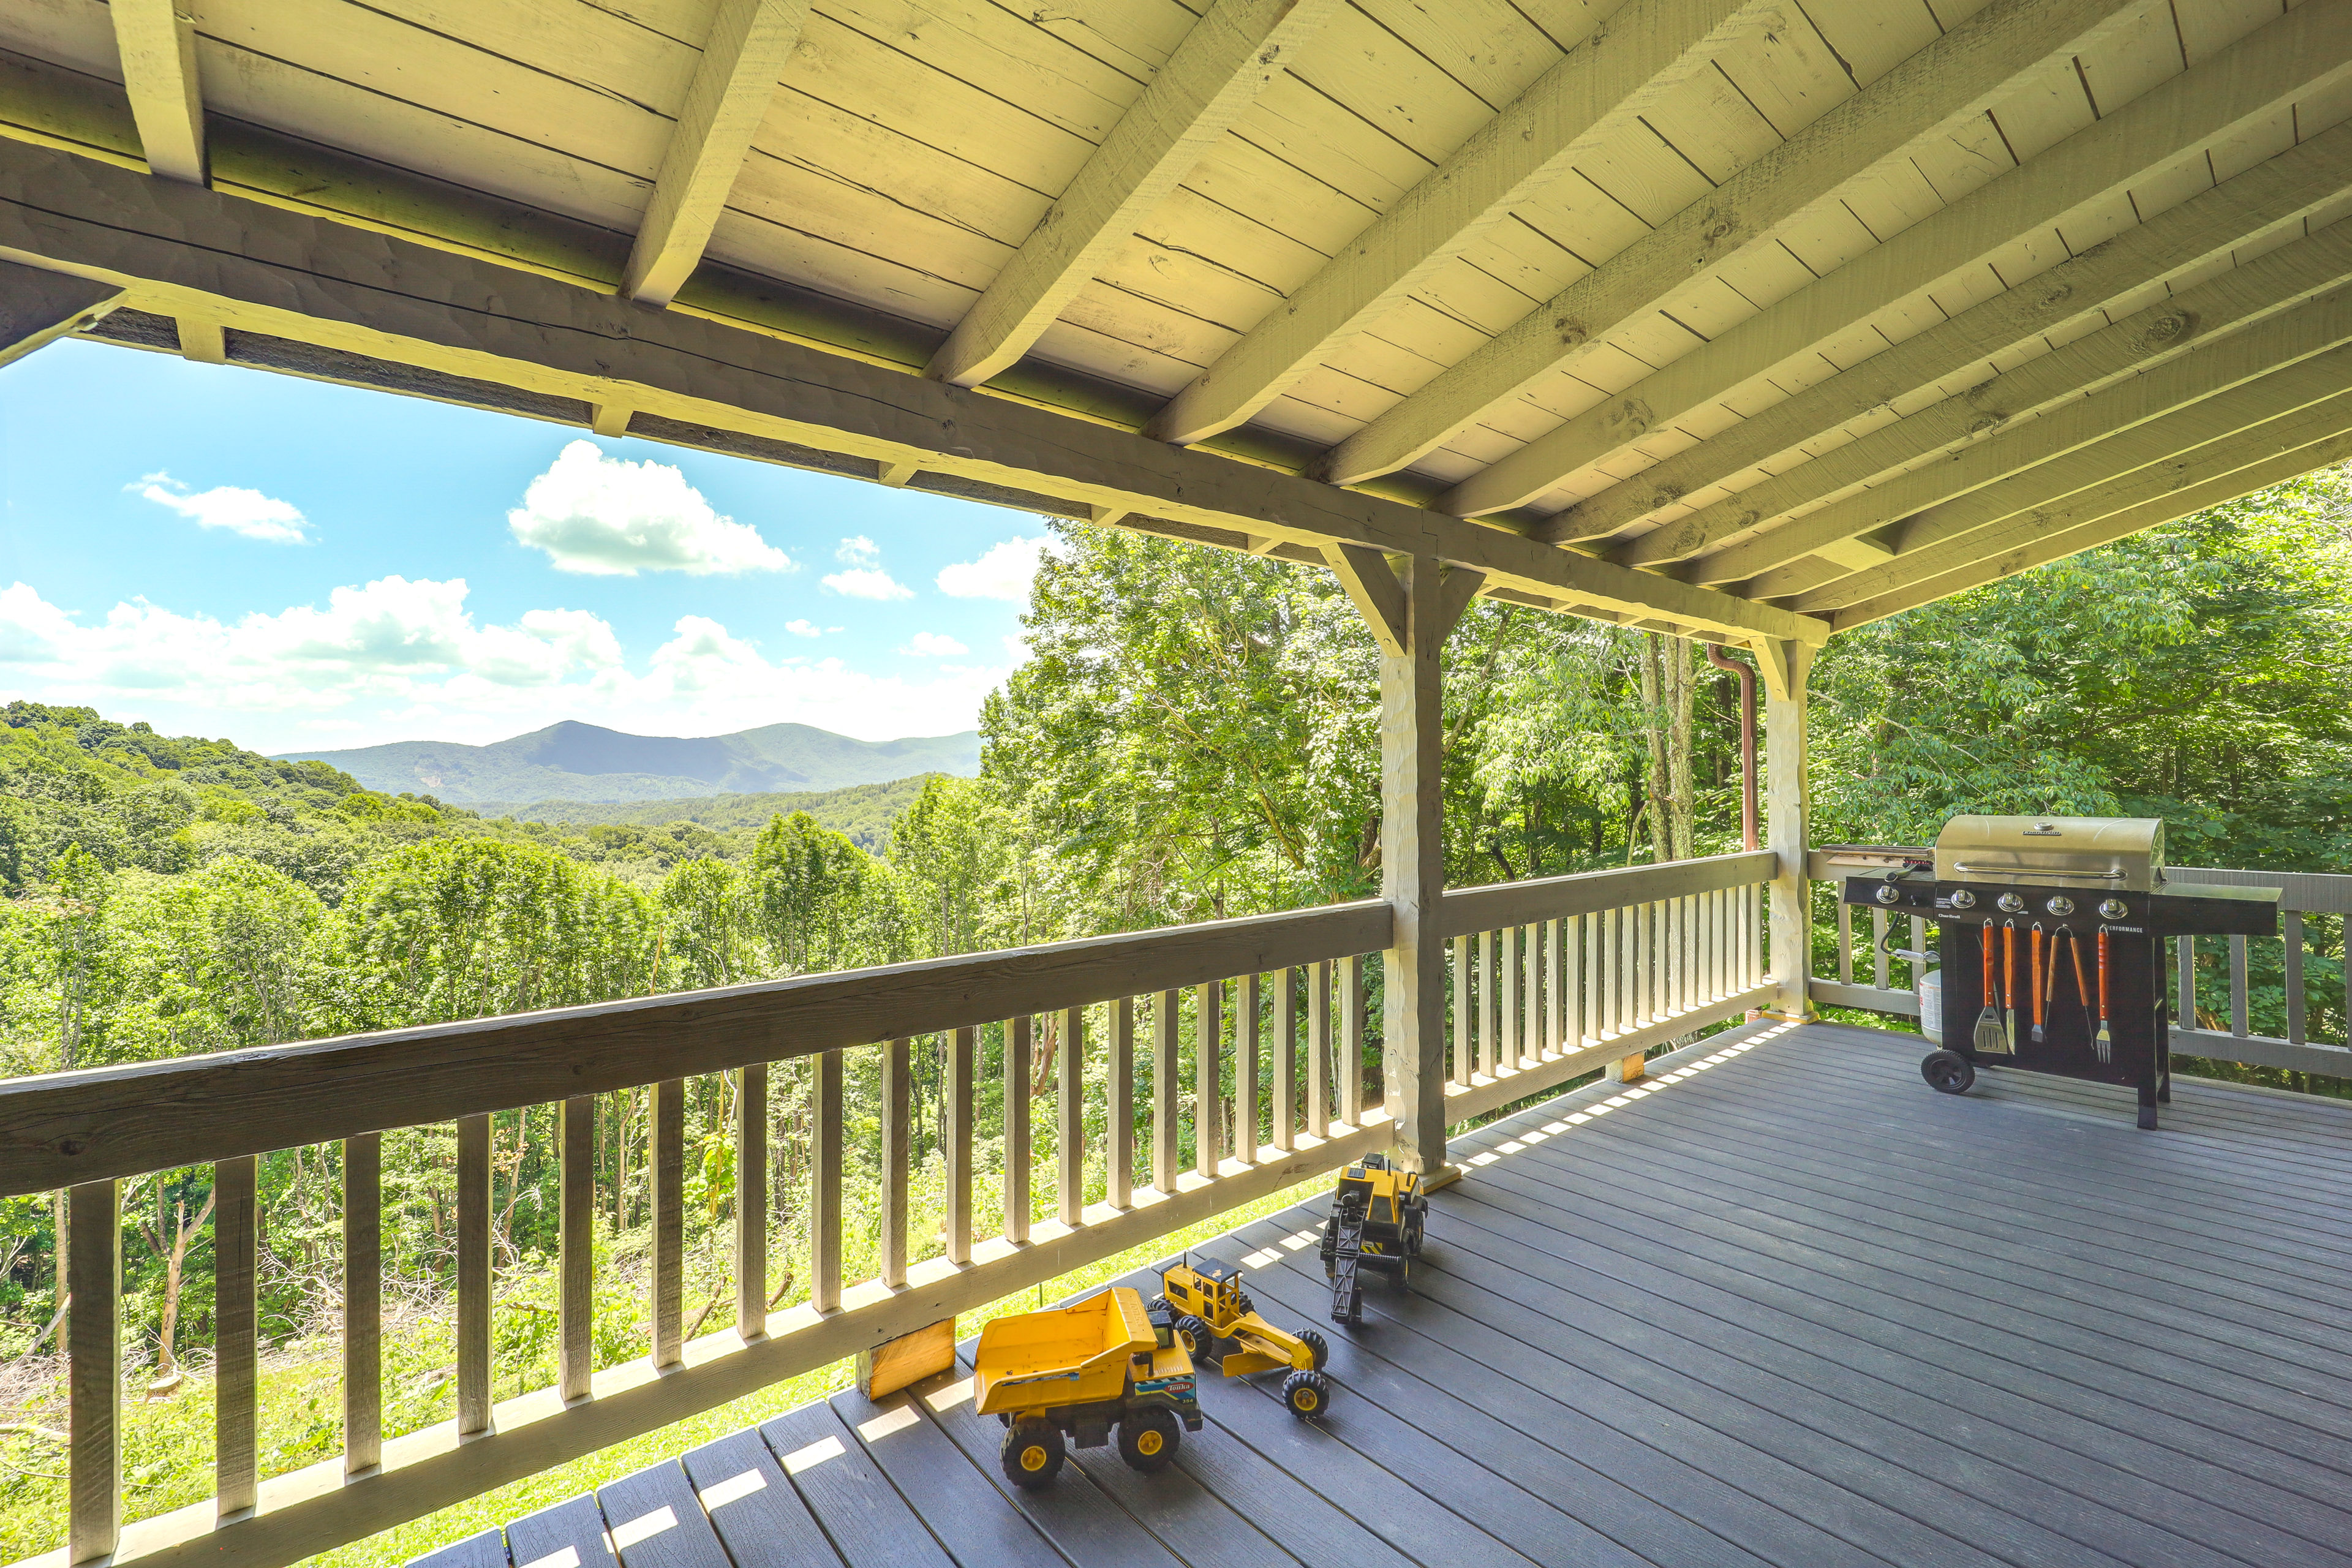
[(1794, 1309), (656, 1521)]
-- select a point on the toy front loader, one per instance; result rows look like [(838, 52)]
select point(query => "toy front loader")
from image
[(1218, 1322), (1378, 1216), (1076, 1373)]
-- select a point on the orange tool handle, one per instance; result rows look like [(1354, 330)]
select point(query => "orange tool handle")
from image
[(1987, 963), (2103, 974), (2008, 963), (2074, 951), (2034, 975)]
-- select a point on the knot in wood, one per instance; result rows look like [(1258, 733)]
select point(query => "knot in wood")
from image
[(1571, 330), (69, 1146), (1986, 421), (2167, 328)]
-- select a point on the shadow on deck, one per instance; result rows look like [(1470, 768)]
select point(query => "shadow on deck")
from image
[(1789, 1306)]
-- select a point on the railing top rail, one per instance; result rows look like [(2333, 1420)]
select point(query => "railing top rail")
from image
[(1496, 905), (60, 1129)]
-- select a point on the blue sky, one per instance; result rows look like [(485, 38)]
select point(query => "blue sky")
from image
[(295, 565)]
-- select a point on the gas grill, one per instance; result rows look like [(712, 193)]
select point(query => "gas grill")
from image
[(2053, 935)]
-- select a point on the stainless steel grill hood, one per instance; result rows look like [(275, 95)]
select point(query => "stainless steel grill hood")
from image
[(2122, 854)]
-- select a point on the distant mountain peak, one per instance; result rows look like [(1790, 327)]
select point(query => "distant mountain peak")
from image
[(572, 760)]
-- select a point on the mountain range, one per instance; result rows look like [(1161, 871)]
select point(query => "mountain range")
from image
[(575, 762)]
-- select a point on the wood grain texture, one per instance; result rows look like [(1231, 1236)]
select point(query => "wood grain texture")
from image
[(575, 1301), (665, 1194), (1070, 1112), (825, 1184), (1166, 1127), (1248, 1048), (474, 1274), (743, 54), (1318, 1049), (898, 1134), (960, 1086), (37, 308), (259, 269), (1285, 1062), (1119, 1105), (1787, 819), (1351, 1041), (94, 1370), (1468, 911), (156, 42), (1016, 1092), (1208, 1078), (751, 1200), (235, 1366), (362, 1302)]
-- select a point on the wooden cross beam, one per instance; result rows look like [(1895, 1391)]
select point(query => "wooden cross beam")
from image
[(156, 40)]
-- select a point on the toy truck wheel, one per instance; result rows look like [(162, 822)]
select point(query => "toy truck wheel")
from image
[(1147, 1439), (1242, 1300), (1317, 1347), (1306, 1392), (1032, 1454), (1157, 1304), (1199, 1341)]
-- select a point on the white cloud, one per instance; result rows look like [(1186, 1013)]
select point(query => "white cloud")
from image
[(932, 645), (865, 579), (241, 511), (806, 628), (858, 551), (1003, 572), (609, 516)]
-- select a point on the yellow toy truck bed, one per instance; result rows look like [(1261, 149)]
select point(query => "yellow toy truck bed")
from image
[(1073, 1355)]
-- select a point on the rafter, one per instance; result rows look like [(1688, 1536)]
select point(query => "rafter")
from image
[(157, 42), (1227, 59), (37, 308), (2107, 474), (1985, 435), (2270, 198), (1639, 55), (273, 274), (746, 52), (2261, 75), (2312, 439), (1927, 96)]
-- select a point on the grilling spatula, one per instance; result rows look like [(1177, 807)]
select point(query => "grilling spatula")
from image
[(1990, 1040), (2102, 1044)]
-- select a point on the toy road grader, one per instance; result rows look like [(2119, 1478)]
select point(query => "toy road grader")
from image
[(1218, 1322), (1379, 1215), (1065, 1378)]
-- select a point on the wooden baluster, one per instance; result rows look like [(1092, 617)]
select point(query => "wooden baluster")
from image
[(1507, 1032), (235, 1385), (2291, 931), (667, 1171), (575, 1314), (473, 1275), (1318, 1049), (363, 1302), (1245, 1048), (1285, 1063), (897, 1139), (1351, 1041), (1119, 1105), (1208, 1074), (1555, 992), (1571, 983), (1485, 987), (1845, 942), (1644, 968), (1878, 949), (2186, 976), (1070, 1124), (751, 1203), (1919, 944), (1017, 1128), (94, 1370), (1465, 1016), (824, 1183), (960, 1098), (2238, 1024), (1531, 1008), (1166, 1046), (1600, 973)]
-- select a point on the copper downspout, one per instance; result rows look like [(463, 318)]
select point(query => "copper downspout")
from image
[(1747, 673)]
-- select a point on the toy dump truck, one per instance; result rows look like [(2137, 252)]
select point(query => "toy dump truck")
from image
[(1378, 1216), (1218, 1322), (1065, 1378)]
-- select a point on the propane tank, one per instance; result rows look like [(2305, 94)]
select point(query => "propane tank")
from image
[(1931, 1004)]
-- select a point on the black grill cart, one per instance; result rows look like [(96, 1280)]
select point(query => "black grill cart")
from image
[(2053, 945)]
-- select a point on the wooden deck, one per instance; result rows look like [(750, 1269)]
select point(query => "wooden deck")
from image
[(1790, 1308)]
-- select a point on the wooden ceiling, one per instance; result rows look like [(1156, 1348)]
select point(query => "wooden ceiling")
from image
[(1829, 306)]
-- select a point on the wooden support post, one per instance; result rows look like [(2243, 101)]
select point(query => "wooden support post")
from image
[(825, 1180), (1208, 1073), (961, 1045), (236, 1389), (473, 1275), (1245, 1054), (667, 1169), (1017, 1040), (1070, 1126), (363, 1302), (751, 1200), (897, 1131), (1165, 1046), (576, 1301), (1119, 1105), (1787, 667), (94, 1370)]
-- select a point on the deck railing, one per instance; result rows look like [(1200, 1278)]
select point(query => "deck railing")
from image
[(2313, 907), (1264, 1020)]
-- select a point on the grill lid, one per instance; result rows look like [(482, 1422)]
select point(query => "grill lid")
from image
[(2123, 853)]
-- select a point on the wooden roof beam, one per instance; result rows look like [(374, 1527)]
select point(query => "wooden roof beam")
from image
[(2257, 76), (2311, 439), (748, 47), (1229, 57), (157, 41), (2258, 203), (1928, 95), (264, 270), (2179, 344), (37, 308), (1624, 65), (2121, 470)]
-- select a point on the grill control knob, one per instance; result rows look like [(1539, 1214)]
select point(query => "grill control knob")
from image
[(1964, 900), (1888, 893), (2113, 908), (2061, 905), (2011, 903)]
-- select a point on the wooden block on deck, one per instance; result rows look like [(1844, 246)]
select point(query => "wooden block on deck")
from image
[(910, 1358), (1629, 1070)]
